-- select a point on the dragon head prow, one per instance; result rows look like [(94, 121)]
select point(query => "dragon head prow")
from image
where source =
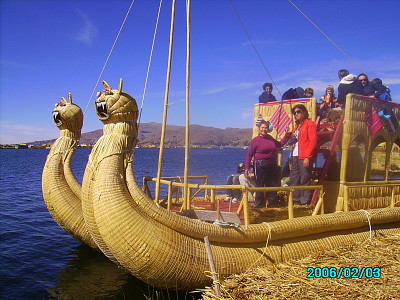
[(113, 106), (67, 115)]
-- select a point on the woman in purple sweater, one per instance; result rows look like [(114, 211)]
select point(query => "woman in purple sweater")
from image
[(263, 150)]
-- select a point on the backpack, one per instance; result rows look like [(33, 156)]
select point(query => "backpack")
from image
[(386, 95)]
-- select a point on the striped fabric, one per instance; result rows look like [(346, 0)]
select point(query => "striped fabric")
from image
[(372, 119), (281, 120)]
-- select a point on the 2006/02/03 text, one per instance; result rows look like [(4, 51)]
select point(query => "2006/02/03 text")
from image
[(357, 272)]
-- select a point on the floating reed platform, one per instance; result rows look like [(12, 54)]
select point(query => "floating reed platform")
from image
[(289, 280)]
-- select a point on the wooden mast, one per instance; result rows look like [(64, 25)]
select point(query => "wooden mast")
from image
[(164, 122), (186, 194)]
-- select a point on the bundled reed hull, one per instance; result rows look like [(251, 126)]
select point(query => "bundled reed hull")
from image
[(61, 190), (167, 250)]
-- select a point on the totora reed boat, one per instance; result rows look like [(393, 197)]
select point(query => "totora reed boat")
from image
[(168, 247), (61, 190)]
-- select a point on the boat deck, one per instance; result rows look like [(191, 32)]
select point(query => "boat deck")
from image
[(208, 212)]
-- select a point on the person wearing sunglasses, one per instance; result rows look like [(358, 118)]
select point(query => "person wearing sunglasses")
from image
[(367, 87), (303, 152)]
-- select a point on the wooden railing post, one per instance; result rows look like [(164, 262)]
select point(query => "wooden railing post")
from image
[(392, 198), (169, 203), (290, 204), (346, 198), (245, 203)]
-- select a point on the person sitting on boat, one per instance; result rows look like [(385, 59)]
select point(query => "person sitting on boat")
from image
[(381, 91), (293, 93), (326, 102), (374, 88), (348, 84), (308, 93), (234, 194), (304, 148), (368, 88), (266, 96), (249, 182), (267, 173)]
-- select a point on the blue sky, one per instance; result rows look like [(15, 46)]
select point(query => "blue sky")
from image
[(50, 48)]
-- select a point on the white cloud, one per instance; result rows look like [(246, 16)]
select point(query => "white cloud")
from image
[(88, 32), (232, 87), (11, 133)]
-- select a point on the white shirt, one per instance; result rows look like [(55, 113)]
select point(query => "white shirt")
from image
[(296, 146)]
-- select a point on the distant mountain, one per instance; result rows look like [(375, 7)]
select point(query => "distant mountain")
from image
[(200, 136)]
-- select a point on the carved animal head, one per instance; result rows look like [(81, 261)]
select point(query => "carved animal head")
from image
[(115, 105), (67, 115)]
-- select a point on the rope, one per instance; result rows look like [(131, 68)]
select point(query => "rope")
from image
[(265, 248), (369, 222), (108, 57), (329, 39), (149, 63), (254, 47)]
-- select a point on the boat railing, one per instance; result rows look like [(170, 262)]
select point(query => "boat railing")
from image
[(175, 183), (386, 193), (175, 187)]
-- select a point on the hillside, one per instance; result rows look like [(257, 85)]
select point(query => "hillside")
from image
[(200, 136)]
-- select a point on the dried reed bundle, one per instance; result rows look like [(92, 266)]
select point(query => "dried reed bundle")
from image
[(288, 280), (332, 116)]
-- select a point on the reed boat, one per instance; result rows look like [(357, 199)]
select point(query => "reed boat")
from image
[(61, 190), (193, 246), (168, 250)]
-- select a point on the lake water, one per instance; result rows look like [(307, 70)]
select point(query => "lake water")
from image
[(39, 260)]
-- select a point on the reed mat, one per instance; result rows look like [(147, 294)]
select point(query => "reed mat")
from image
[(289, 280)]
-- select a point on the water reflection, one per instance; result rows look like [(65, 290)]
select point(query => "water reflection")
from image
[(90, 275)]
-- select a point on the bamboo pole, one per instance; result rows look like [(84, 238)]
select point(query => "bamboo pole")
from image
[(169, 196), (212, 196), (290, 204), (346, 198), (392, 198), (185, 174), (245, 203), (164, 122), (218, 210), (322, 206), (319, 205), (212, 267)]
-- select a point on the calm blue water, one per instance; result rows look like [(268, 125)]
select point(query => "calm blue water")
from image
[(38, 260)]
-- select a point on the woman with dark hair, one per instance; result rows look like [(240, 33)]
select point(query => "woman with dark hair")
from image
[(266, 96), (303, 152), (263, 150)]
